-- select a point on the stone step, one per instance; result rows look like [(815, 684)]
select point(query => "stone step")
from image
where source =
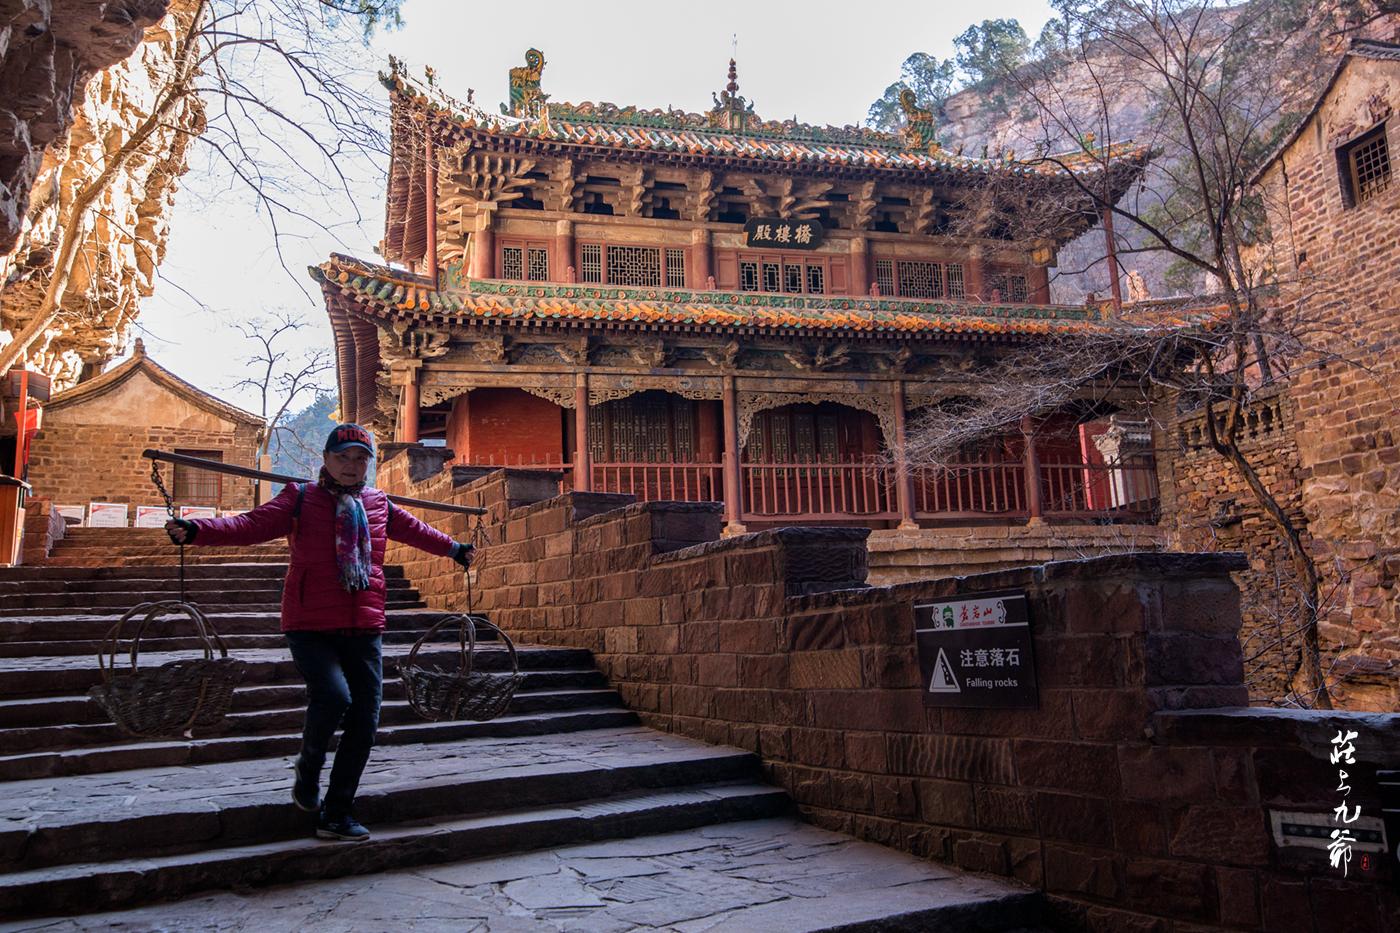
[(15, 603), (62, 675), (774, 875), (35, 649), (150, 584), (60, 561), (273, 605), (36, 712), (171, 754), (57, 628), (284, 719), (159, 811), (104, 885), (231, 570)]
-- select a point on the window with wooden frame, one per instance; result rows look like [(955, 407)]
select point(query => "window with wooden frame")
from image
[(1009, 287), (524, 261), (1364, 165), (198, 487), (824, 432), (780, 273), (908, 278), (648, 427), (636, 266)]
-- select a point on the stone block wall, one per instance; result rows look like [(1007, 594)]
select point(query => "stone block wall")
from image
[(1206, 506), (772, 642)]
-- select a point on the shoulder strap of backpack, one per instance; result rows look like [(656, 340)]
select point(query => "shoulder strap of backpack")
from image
[(296, 512)]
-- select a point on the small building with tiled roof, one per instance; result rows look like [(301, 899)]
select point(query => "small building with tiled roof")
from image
[(89, 448), (710, 305)]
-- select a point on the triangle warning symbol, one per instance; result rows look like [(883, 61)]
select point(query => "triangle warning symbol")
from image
[(943, 680)]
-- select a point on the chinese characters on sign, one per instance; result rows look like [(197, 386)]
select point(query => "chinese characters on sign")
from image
[(976, 652), (774, 232), (1339, 850)]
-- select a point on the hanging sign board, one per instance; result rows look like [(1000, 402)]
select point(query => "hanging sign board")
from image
[(976, 653), (776, 233)]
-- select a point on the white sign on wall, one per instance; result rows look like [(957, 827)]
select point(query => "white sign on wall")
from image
[(150, 516), (198, 511), (107, 514), (72, 514)]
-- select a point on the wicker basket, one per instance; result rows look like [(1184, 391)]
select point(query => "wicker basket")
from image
[(438, 695), (169, 701)]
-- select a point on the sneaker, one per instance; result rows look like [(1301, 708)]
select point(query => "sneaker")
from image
[(346, 827), (305, 791)]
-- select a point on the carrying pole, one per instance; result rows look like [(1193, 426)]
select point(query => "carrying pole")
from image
[(215, 466)]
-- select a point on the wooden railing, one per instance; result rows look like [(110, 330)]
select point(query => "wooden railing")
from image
[(971, 489), (1111, 490), (813, 491), (675, 482)]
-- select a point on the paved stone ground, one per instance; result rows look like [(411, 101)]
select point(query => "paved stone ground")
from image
[(121, 795), (765, 875)]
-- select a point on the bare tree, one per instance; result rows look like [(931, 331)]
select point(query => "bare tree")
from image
[(1211, 75), (227, 86), (278, 374)]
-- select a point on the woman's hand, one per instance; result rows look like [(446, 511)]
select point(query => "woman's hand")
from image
[(181, 531), (463, 554)]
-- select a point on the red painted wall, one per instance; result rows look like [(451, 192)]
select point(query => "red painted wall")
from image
[(505, 426)]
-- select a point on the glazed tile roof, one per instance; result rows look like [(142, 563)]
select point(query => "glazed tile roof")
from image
[(677, 132), (395, 294)]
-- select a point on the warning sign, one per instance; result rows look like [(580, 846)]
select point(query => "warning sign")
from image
[(977, 652)]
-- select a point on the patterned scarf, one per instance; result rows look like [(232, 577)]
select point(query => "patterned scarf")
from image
[(352, 544)]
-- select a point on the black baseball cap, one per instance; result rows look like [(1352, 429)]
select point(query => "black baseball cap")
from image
[(349, 435)]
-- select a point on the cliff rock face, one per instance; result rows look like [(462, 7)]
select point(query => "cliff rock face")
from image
[(75, 79)]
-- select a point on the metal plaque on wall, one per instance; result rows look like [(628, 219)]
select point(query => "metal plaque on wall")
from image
[(976, 652), (776, 233)]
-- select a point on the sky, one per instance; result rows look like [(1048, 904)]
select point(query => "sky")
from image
[(823, 62)]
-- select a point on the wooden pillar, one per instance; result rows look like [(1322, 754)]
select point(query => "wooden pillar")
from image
[(1112, 259), (583, 470), (484, 249), (1031, 461), (404, 375), (1039, 281), (430, 211), (974, 277), (860, 266), (733, 504), (563, 251), (904, 479), (700, 264)]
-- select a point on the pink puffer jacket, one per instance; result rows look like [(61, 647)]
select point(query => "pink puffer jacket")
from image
[(312, 598)]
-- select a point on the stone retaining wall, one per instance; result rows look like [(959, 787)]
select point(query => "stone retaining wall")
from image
[(1128, 805)]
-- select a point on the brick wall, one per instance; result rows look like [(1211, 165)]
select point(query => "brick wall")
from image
[(1128, 817), (1207, 507), (1337, 267), (74, 464)]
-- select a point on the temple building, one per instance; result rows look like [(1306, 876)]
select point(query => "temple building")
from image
[(710, 306)]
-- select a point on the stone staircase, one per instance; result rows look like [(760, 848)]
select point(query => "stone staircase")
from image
[(93, 821)]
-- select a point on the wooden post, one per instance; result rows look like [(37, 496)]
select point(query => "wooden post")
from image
[(699, 257), (430, 209), (408, 418), (903, 478), (563, 250), (733, 504), (484, 250), (973, 277), (860, 267), (1112, 259), (22, 416), (583, 470), (1031, 461)]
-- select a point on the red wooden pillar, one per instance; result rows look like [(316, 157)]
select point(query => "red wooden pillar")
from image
[(484, 250), (903, 478), (430, 212), (700, 264), (563, 250), (973, 284), (1039, 280), (860, 266), (733, 505), (1031, 461), (583, 470), (405, 376)]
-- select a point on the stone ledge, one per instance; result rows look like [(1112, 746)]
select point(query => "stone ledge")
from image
[(1312, 731)]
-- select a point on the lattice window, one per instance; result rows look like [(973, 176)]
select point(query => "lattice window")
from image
[(748, 276), (634, 265), (1008, 287), (816, 280), (592, 263), (675, 268), (649, 427), (539, 265), (884, 276), (1368, 163), (512, 262), (920, 280), (198, 487), (772, 282), (953, 273), (792, 278)]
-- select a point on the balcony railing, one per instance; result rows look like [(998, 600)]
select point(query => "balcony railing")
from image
[(675, 482), (971, 489), (814, 491)]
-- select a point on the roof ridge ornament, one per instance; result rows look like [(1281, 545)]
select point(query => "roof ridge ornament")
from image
[(919, 129), (526, 98), (731, 111)]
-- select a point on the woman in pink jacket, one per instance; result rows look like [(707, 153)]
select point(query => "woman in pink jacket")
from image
[(332, 608)]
